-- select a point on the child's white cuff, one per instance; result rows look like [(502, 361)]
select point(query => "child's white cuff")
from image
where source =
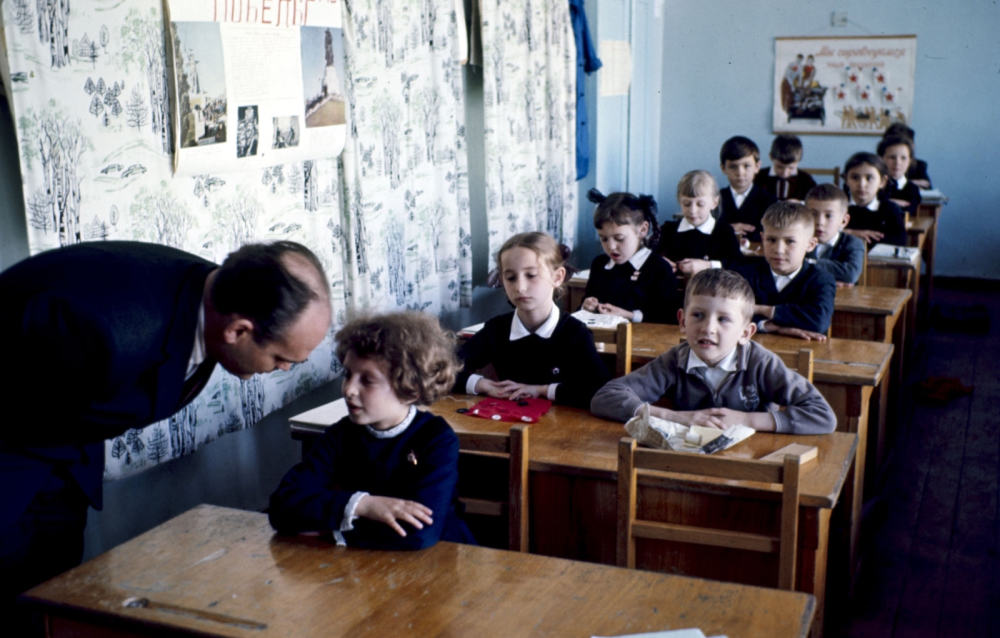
[(470, 385), (347, 522)]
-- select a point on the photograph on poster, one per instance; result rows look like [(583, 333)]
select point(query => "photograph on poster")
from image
[(848, 85)]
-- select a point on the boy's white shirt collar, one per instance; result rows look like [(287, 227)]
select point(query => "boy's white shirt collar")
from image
[(795, 172), (637, 260), (833, 241), (518, 331), (728, 362), (706, 227), (780, 281), (739, 198)]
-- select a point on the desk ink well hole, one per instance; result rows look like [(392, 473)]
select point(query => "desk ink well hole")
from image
[(462, 410)]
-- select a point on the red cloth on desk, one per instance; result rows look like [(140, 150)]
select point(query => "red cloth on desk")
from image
[(508, 410)]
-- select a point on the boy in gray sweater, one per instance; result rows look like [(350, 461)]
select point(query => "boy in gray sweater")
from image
[(718, 377)]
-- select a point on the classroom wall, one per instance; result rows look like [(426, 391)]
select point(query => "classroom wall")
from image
[(717, 75)]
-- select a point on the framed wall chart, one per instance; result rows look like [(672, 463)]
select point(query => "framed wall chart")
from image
[(843, 85)]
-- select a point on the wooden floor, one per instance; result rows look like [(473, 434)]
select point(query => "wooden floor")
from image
[(931, 534)]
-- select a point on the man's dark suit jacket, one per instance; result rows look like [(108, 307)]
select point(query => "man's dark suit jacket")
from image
[(99, 338), (806, 302), (757, 201)]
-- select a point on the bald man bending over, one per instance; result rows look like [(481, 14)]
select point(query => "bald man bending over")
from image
[(107, 336)]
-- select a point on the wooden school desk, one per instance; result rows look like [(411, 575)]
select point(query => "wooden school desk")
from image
[(847, 372), (930, 206), (873, 313), (214, 571), (573, 492), (899, 274)]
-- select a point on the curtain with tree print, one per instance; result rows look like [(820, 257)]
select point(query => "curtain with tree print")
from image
[(529, 95), (88, 90), (405, 160)]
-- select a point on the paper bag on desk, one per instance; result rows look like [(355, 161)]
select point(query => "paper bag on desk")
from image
[(659, 433)]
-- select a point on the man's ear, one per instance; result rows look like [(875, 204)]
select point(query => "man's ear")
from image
[(237, 329)]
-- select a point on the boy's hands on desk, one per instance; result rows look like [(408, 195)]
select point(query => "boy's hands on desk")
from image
[(691, 266), (798, 333), (391, 510), (743, 229), (720, 418)]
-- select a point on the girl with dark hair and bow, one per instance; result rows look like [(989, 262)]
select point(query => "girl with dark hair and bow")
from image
[(628, 279)]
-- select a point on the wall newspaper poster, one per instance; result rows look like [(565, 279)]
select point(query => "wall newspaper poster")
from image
[(255, 82), (843, 85)]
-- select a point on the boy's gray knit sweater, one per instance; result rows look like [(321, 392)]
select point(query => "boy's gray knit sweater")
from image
[(760, 383)]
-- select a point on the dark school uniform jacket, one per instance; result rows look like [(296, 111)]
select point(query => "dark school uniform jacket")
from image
[(653, 291), (756, 202), (806, 302), (720, 245), (844, 260), (419, 464), (568, 358), (888, 220), (798, 184)]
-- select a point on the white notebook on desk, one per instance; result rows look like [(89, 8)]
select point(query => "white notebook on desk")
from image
[(597, 320), (895, 254), (324, 415)]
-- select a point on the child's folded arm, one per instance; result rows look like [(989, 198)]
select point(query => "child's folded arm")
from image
[(795, 404), (620, 397), (304, 500), (813, 310), (434, 487)]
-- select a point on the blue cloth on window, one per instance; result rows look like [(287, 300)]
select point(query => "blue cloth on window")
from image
[(586, 62)]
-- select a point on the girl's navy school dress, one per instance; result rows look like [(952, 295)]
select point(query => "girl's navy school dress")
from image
[(712, 240), (646, 283), (560, 351), (888, 219), (417, 460)]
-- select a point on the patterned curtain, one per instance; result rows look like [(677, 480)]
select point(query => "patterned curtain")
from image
[(405, 162), (529, 94), (88, 93)]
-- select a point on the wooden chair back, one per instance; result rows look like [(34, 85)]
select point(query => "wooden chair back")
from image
[(633, 459), (621, 338), (515, 446), (834, 173), (800, 360)]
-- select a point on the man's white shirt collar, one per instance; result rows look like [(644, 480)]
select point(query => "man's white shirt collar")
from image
[(780, 281), (637, 260), (706, 227), (518, 331), (198, 353)]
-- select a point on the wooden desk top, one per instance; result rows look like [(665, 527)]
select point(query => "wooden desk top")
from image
[(223, 572), (919, 225), (847, 361), (875, 300), (571, 440)]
